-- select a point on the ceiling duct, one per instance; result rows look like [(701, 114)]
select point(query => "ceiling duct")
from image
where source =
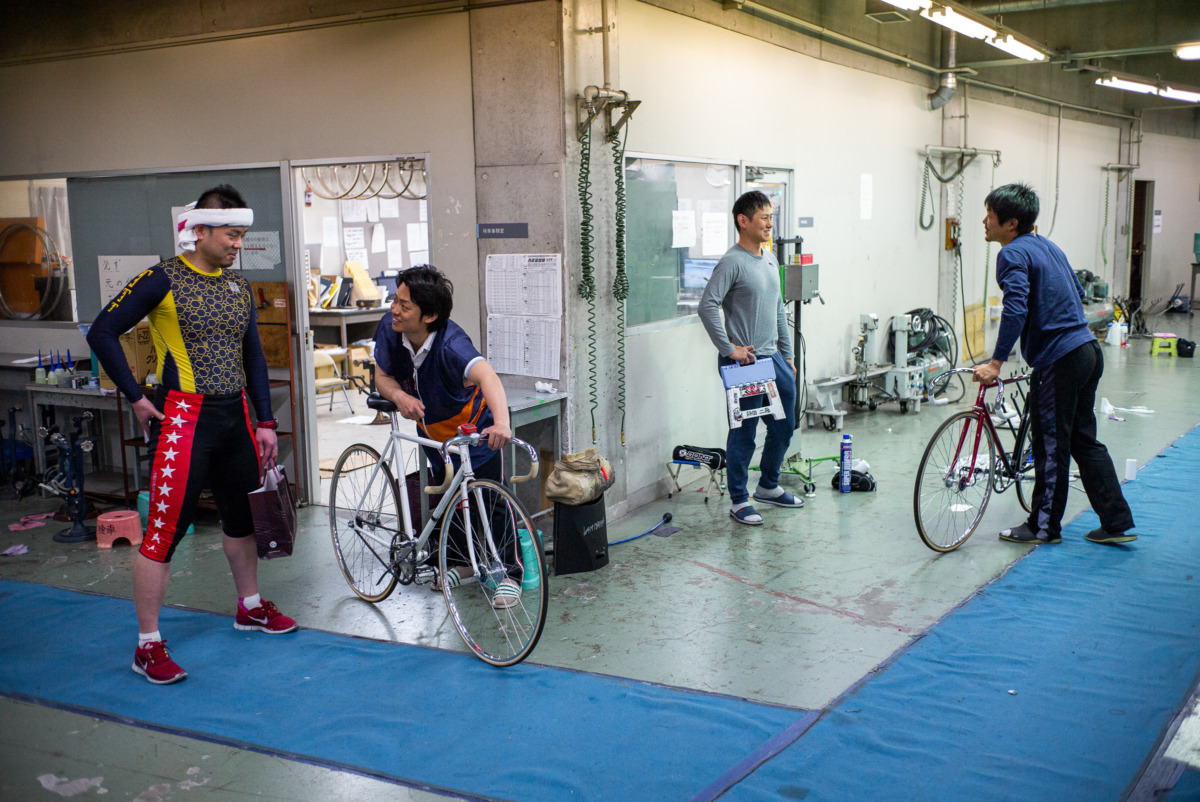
[(941, 96)]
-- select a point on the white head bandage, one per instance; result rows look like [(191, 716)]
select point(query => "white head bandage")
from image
[(191, 217)]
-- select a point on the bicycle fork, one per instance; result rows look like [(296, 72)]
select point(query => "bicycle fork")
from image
[(962, 478)]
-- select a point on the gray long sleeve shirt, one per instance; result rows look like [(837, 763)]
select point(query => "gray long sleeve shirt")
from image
[(745, 286)]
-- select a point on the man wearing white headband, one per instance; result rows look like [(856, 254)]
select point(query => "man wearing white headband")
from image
[(210, 363)]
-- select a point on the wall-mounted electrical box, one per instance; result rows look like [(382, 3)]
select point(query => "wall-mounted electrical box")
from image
[(799, 282), (952, 233)]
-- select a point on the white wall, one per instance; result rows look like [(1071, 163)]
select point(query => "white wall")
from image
[(708, 93), (1027, 142), (712, 94), (1173, 164), (377, 89)]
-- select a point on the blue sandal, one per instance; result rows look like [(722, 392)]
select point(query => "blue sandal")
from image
[(784, 499), (746, 515)]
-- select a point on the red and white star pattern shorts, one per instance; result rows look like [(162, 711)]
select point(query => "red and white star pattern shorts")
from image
[(205, 441)]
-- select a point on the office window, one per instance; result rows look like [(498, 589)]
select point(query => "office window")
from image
[(679, 224)]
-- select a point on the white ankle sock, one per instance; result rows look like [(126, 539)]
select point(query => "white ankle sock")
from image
[(741, 506), (148, 637), (773, 493), (250, 602)]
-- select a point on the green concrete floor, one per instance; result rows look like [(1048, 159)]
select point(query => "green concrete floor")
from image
[(792, 612)]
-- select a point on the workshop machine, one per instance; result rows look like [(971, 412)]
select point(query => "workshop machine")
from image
[(1097, 308), (920, 346)]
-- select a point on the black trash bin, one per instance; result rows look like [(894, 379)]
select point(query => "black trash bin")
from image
[(580, 537)]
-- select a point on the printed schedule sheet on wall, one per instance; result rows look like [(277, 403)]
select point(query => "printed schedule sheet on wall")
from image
[(524, 304)]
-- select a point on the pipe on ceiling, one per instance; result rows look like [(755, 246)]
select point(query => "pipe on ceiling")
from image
[(1015, 6)]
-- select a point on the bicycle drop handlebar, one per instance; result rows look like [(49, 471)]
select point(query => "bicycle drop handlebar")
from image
[(459, 441), (998, 383)]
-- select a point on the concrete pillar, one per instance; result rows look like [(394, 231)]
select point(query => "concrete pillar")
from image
[(529, 62)]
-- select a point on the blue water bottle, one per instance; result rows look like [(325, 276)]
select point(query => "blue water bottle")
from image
[(844, 485)]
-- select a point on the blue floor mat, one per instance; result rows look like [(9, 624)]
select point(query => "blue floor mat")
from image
[(1055, 682), (428, 718)]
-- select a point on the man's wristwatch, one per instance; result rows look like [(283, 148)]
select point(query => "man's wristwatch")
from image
[(267, 424)]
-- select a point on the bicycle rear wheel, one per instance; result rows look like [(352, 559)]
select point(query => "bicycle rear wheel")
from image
[(954, 482), (364, 515), (1023, 474), (501, 609)]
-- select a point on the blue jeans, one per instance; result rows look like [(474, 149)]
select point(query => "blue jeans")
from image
[(739, 445)]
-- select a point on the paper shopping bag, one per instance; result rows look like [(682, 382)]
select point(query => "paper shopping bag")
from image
[(274, 513)]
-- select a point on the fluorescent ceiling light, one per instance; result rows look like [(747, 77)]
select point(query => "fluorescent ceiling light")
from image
[(1114, 82), (1180, 94), (947, 16), (910, 5), (1190, 52), (1010, 44), (1142, 85)]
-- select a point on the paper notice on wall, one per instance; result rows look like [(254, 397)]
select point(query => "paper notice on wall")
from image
[(1157, 225), (378, 239), (418, 257), (524, 284), (117, 271), (395, 252), (715, 233), (683, 228), (389, 207), (866, 195), (524, 345), (354, 211), (418, 237), (354, 238), (372, 210), (260, 250), (422, 211), (359, 255), (329, 232)]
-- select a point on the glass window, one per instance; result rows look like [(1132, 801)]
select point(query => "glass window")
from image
[(678, 224)]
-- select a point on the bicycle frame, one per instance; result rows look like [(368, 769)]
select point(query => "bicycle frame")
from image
[(454, 491), (985, 416)]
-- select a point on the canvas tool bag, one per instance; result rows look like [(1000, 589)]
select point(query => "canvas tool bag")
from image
[(274, 512), (579, 478)]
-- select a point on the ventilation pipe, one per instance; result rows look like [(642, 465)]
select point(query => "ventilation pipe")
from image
[(941, 96)]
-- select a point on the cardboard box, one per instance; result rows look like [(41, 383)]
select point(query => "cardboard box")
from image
[(138, 345), (359, 354)]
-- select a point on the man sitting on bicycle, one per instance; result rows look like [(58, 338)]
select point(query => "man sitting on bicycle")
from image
[(428, 367), (1042, 305)]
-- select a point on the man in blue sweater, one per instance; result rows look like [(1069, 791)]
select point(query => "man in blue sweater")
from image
[(1043, 306)]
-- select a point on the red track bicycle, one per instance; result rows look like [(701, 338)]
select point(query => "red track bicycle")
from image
[(965, 462)]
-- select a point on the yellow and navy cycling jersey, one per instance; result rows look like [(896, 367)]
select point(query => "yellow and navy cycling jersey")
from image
[(204, 330)]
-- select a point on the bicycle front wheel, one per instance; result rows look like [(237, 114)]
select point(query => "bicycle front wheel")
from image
[(1023, 474), (498, 595), (364, 516), (954, 482)]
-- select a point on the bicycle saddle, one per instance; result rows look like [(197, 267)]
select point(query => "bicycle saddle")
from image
[(378, 402)]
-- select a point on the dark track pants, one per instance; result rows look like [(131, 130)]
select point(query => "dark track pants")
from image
[(1062, 400)]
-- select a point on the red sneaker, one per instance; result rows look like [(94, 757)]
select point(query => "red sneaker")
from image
[(154, 663), (266, 618)]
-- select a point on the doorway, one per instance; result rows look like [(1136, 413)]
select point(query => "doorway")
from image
[(359, 223), (1142, 235)]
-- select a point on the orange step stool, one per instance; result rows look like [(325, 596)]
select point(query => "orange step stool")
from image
[(119, 525)]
